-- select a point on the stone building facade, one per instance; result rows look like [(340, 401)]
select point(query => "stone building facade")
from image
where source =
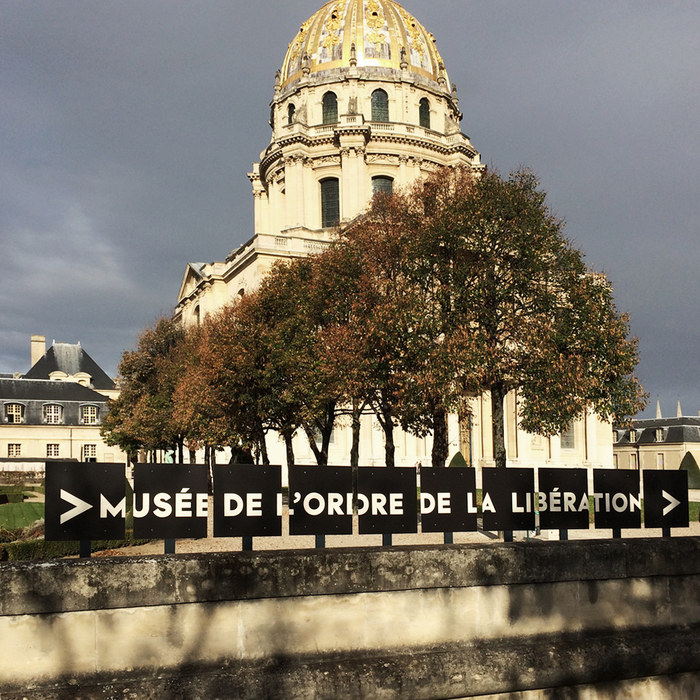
[(362, 103), (55, 410)]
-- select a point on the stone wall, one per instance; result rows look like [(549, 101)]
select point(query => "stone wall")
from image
[(576, 620)]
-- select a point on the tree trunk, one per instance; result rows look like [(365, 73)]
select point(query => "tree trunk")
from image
[(289, 449), (193, 455), (387, 422), (498, 395), (440, 442), (259, 438), (180, 451), (357, 408), (321, 458)]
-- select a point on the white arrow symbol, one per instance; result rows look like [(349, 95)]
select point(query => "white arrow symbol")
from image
[(672, 502), (80, 506)]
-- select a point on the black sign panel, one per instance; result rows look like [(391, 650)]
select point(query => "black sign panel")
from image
[(85, 501), (665, 498), (448, 499), (563, 499), (247, 501), (616, 499), (387, 500), (320, 500), (171, 501), (508, 499)]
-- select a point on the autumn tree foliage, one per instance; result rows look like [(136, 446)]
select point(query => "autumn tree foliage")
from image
[(393, 345), (460, 285), (527, 313), (142, 417), (263, 366)]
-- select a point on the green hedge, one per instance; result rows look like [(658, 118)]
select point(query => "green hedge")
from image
[(43, 549)]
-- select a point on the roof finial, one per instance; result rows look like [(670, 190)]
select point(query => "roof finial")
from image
[(658, 409), (679, 412)]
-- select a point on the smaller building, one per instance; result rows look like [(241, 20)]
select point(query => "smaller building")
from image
[(659, 443), (55, 411)]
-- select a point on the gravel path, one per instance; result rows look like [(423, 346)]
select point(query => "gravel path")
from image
[(287, 541)]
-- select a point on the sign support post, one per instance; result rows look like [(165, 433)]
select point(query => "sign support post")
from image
[(85, 549)]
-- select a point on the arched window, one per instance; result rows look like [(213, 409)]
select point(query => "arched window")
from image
[(330, 202), (330, 108), (290, 113), (380, 106), (382, 183), (424, 113)]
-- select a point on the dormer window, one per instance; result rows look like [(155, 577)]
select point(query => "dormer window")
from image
[(88, 415), (14, 412), (659, 435), (53, 414), (633, 435)]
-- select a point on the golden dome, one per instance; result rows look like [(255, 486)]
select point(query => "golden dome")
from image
[(374, 33)]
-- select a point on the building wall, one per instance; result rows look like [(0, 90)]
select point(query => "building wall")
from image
[(70, 439)]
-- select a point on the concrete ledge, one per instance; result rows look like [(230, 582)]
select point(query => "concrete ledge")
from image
[(122, 582), (408, 623), (542, 668)]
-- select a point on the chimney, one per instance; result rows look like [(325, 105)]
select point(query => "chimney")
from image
[(38, 348)]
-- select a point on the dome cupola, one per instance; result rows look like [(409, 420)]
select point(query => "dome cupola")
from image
[(374, 35)]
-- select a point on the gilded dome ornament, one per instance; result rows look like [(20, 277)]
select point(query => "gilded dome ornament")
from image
[(365, 34)]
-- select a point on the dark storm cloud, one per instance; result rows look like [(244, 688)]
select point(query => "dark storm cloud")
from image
[(127, 129)]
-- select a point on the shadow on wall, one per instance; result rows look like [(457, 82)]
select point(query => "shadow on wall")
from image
[(691, 466)]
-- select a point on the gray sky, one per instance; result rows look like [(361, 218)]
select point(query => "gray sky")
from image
[(127, 129)]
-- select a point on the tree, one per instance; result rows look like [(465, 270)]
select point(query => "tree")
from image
[(142, 416), (524, 309), (264, 360), (394, 342)]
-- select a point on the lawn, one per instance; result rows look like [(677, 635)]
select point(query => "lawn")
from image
[(14, 515)]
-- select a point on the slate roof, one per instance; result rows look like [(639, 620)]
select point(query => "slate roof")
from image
[(47, 390), (71, 359), (675, 430)]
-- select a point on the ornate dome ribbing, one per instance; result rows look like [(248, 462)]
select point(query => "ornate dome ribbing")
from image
[(366, 33)]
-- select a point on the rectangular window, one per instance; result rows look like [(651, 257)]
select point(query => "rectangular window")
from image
[(89, 453), (14, 412), (89, 414), (53, 414), (660, 460), (633, 461), (52, 450), (615, 462), (14, 450), (330, 202), (568, 438)]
